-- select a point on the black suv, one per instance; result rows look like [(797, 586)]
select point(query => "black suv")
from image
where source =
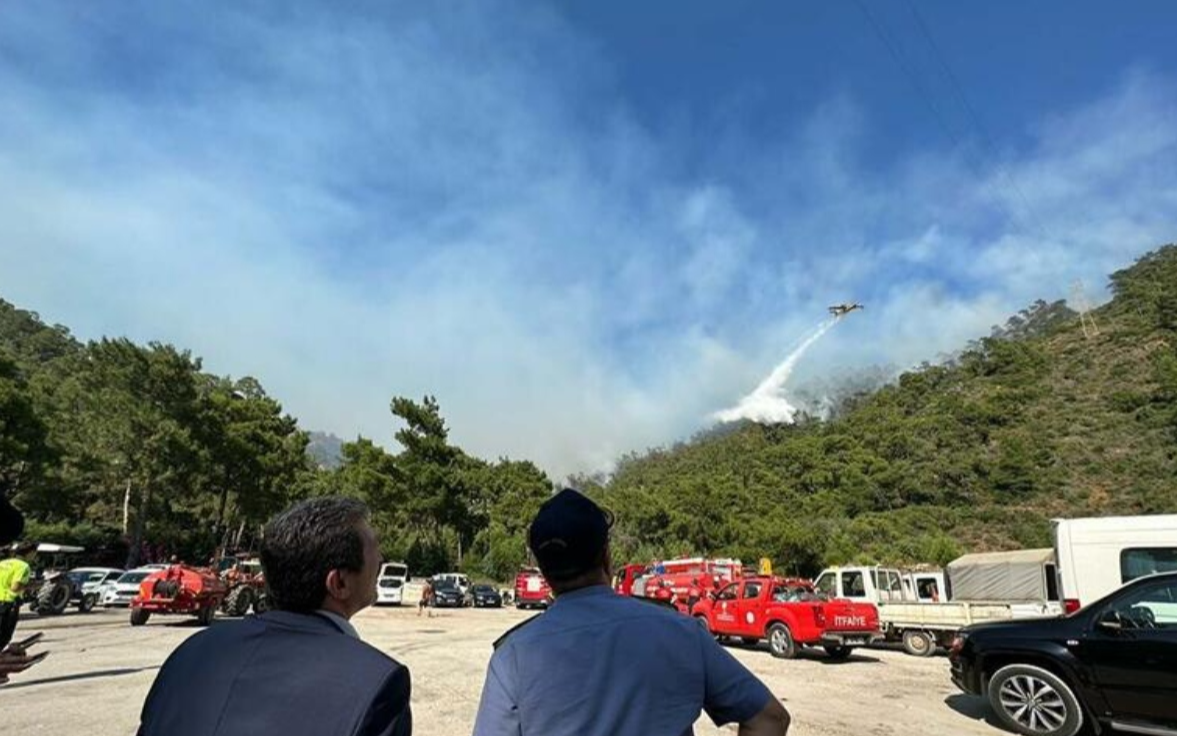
[(1113, 663)]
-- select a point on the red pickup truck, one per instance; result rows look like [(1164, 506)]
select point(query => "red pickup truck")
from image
[(789, 617)]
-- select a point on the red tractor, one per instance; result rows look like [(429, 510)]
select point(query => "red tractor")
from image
[(245, 585), (178, 589)]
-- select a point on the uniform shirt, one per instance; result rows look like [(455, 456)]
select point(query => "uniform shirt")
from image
[(13, 572), (597, 663)]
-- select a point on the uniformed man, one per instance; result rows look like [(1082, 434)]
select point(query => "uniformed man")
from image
[(598, 663), (14, 576)]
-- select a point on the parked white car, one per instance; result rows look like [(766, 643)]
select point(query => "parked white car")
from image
[(94, 581), (390, 585), (126, 587)]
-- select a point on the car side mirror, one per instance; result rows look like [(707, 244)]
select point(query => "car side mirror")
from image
[(1110, 621)]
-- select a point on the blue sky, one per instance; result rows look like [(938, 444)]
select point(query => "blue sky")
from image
[(583, 226)]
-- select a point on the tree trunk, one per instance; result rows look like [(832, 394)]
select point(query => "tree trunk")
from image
[(222, 504), (126, 506), (140, 524)]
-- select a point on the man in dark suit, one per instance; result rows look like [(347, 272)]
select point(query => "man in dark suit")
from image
[(300, 669)]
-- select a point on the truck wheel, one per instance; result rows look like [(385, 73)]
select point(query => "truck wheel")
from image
[(139, 616), (52, 598), (918, 643), (780, 642), (837, 652), (1034, 702)]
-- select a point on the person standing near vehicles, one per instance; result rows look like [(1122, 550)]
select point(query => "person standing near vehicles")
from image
[(426, 598), (14, 577), (573, 671)]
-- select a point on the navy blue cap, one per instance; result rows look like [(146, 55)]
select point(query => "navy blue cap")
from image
[(568, 534)]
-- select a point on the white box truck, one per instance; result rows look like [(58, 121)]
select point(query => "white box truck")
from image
[(1098, 555)]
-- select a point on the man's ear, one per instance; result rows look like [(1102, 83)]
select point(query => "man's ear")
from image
[(336, 585)]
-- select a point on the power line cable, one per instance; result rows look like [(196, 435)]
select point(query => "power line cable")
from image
[(971, 112)]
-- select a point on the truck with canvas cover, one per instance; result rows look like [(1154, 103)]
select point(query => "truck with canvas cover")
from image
[(788, 617), (179, 589)]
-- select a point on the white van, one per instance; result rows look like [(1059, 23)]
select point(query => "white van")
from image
[(460, 581), (1097, 555), (390, 586)]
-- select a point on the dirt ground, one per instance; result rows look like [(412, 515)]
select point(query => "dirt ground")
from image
[(101, 668)]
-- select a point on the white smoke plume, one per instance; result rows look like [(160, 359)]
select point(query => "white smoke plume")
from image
[(767, 403)]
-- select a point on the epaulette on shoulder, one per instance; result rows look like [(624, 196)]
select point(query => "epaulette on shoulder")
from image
[(656, 602), (499, 642)]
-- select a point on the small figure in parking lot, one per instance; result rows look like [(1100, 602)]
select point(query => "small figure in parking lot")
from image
[(574, 669), (300, 668), (14, 577), (426, 599)]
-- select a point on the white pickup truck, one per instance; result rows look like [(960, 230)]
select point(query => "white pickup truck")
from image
[(996, 586)]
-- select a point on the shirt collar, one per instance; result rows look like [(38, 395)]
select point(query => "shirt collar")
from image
[(590, 591), (343, 624)]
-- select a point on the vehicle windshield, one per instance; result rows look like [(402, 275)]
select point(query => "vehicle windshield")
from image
[(133, 577), (483, 589)]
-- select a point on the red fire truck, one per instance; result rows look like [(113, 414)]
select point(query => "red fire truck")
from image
[(531, 590), (789, 616), (681, 582)]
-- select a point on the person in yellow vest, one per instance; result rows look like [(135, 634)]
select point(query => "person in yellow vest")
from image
[(14, 576)]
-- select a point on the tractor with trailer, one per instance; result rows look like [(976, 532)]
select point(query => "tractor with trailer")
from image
[(179, 589), (789, 616)]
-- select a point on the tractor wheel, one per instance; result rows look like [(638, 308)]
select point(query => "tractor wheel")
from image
[(780, 642), (205, 616), (238, 601), (918, 643), (52, 598), (139, 616), (89, 600)]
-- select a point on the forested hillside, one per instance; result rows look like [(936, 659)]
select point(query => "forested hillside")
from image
[(1037, 421), (136, 453)]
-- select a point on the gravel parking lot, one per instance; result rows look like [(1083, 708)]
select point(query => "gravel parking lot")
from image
[(101, 668)]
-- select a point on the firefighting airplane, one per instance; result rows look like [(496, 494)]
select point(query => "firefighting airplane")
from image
[(841, 310)]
